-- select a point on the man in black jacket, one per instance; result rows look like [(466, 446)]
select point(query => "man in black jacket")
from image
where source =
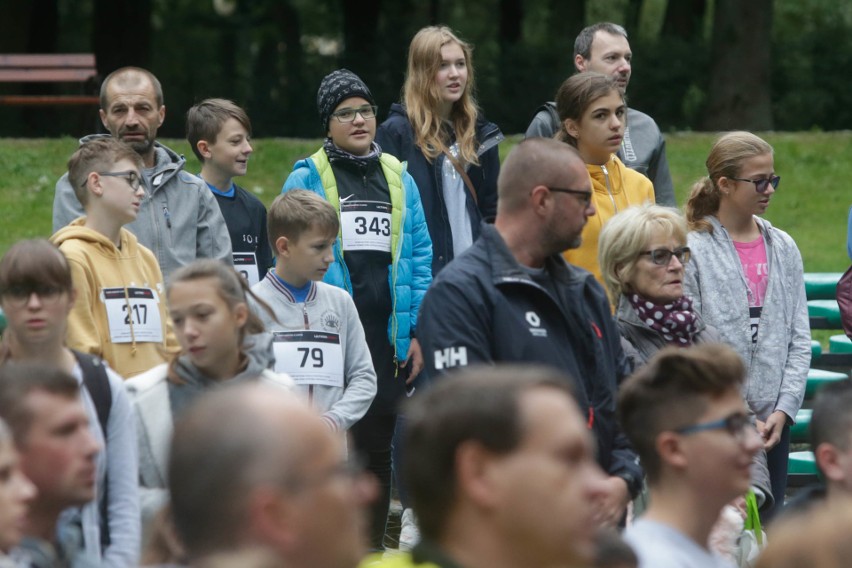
[(511, 297)]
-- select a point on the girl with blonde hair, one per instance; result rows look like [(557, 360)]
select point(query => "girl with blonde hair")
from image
[(746, 279), (450, 148)]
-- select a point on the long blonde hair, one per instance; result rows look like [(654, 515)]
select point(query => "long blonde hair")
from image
[(725, 160), (422, 98)]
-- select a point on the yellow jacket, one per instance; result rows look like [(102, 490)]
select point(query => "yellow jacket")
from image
[(615, 187), (96, 263)]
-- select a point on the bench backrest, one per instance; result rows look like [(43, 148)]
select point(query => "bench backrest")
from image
[(47, 68)]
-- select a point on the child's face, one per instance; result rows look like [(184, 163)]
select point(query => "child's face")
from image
[(230, 153), (355, 136), (305, 259), (118, 196)]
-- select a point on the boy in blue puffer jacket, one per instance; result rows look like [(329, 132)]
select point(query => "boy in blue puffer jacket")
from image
[(382, 256)]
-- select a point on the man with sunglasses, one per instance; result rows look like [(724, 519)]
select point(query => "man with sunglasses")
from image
[(511, 297), (179, 219), (685, 415)]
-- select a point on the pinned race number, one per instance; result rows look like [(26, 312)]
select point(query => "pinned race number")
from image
[(366, 225), (309, 357), (246, 264), (135, 317)]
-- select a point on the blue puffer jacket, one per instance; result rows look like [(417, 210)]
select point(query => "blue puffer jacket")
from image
[(411, 266)]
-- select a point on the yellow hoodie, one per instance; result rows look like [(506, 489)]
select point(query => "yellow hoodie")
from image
[(615, 187), (127, 325)]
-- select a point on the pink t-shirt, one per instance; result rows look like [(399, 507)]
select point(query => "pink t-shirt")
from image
[(756, 269)]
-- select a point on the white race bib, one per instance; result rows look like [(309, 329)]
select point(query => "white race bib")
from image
[(310, 357), (366, 225), (136, 317), (246, 264)]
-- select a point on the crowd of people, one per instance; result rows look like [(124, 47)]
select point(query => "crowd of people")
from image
[(547, 362)]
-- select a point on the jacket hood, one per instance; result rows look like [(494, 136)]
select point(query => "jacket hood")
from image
[(720, 233), (614, 167), (257, 349), (167, 162), (76, 230)]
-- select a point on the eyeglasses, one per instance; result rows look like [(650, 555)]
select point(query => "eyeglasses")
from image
[(761, 185), (130, 176), (345, 115), (737, 425), (19, 296), (585, 197), (351, 470), (663, 257)]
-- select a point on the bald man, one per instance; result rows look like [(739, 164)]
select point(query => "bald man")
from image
[(179, 219), (253, 466), (511, 297)]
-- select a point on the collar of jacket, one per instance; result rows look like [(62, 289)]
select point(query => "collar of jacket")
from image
[(720, 233), (626, 314)]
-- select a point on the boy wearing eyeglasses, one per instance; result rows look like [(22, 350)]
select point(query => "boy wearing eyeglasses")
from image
[(219, 133), (382, 255), (119, 314), (688, 422)]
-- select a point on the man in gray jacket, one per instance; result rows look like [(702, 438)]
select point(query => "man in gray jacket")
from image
[(603, 47), (179, 219)]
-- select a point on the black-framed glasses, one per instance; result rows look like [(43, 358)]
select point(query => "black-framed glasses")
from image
[(761, 185), (585, 197), (130, 176), (737, 425), (345, 115), (663, 256), (19, 296)]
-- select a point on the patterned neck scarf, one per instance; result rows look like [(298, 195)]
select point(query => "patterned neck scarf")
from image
[(675, 321), (334, 154)]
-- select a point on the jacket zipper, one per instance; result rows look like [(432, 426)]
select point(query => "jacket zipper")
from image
[(307, 327), (609, 188)]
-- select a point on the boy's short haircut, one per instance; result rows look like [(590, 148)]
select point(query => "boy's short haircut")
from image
[(831, 422), (204, 121), (97, 155), (299, 210), (671, 391)]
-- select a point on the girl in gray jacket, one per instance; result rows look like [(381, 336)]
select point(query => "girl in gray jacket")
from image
[(746, 279)]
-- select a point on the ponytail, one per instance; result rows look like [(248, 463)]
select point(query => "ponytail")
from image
[(703, 201)]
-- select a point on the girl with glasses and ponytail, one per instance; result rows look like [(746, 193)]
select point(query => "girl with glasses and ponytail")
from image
[(746, 279)]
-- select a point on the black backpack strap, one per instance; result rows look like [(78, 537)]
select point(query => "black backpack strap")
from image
[(97, 383)]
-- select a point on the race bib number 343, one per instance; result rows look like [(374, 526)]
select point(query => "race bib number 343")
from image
[(135, 317), (366, 225), (309, 357)]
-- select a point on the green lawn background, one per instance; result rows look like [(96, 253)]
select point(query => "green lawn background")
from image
[(811, 203)]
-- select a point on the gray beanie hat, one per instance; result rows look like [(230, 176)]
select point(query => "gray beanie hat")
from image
[(338, 86)]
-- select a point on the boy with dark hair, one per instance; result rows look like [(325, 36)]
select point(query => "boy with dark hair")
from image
[(685, 416), (118, 315), (219, 133), (317, 337)]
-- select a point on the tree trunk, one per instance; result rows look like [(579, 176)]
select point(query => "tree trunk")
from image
[(684, 19), (360, 31), (511, 16), (567, 19), (739, 93), (632, 18)]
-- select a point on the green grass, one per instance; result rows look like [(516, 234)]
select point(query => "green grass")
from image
[(811, 204)]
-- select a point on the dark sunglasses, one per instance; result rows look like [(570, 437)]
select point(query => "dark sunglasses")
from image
[(761, 185), (664, 256), (585, 197)]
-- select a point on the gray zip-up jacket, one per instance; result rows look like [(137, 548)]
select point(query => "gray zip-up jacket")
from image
[(179, 219), (777, 365), (643, 148), (157, 401), (329, 309)]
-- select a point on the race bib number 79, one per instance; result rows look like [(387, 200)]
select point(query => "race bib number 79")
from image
[(309, 357)]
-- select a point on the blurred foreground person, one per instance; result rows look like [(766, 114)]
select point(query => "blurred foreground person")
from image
[(501, 469), (251, 466)]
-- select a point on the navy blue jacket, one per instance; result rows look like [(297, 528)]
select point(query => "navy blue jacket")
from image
[(486, 308), (396, 137)]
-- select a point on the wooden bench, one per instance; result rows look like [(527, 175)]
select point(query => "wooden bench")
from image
[(50, 68)]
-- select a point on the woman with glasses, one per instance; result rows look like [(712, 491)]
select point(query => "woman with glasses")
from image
[(746, 279), (382, 257), (593, 114), (643, 255), (450, 148)]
